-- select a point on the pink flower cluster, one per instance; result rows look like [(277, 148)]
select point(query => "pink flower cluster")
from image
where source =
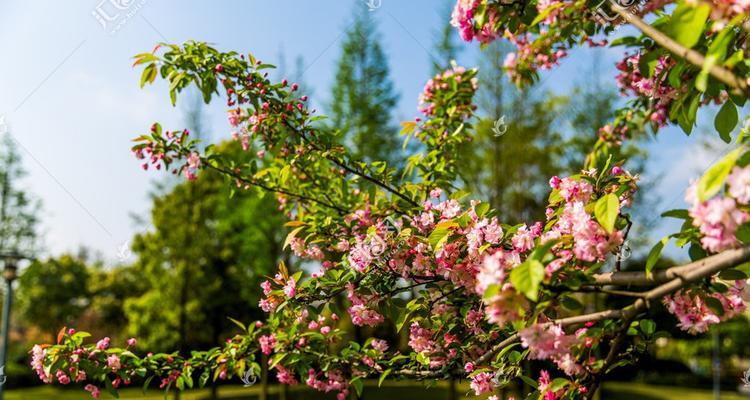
[(719, 217), (420, 339), (430, 101), (482, 383), (267, 343), (285, 376), (300, 249), (463, 19), (505, 305), (359, 311), (192, 166), (533, 53), (656, 87), (549, 342), (695, 316), (543, 5), (590, 241), (726, 9), (334, 381), (37, 363)]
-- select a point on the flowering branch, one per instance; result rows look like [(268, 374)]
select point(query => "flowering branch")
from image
[(717, 71)]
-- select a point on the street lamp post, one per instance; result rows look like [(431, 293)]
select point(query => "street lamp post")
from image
[(10, 272)]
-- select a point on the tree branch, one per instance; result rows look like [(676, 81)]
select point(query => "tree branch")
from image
[(350, 169), (263, 186), (719, 261)]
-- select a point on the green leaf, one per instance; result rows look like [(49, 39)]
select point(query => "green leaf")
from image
[(527, 277), (726, 120), (743, 233), (571, 303), (358, 385), (542, 15), (715, 305), (148, 74), (688, 22), (291, 236), (439, 236), (529, 381), (654, 255), (238, 323), (732, 275), (384, 375), (557, 384), (606, 210), (717, 52), (648, 327), (712, 181), (679, 214)]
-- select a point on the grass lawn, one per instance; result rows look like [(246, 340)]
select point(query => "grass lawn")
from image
[(389, 391)]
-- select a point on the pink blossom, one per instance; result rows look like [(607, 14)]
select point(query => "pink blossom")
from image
[(131, 342), (379, 345), (94, 390), (103, 344), (62, 377), (363, 316), (420, 339), (37, 363), (267, 342), (290, 288), (285, 376), (718, 220), (695, 316), (234, 117), (266, 286), (113, 362), (482, 383), (739, 184)]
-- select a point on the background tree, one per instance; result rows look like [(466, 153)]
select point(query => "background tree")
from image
[(517, 143), (52, 293), (19, 210), (445, 47), (210, 253), (363, 97)]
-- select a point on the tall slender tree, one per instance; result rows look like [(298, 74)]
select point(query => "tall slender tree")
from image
[(363, 96), (446, 48), (516, 145), (19, 210)]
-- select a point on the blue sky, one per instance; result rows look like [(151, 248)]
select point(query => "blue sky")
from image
[(72, 101)]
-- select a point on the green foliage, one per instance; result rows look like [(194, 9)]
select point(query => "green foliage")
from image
[(52, 293), (203, 261)]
